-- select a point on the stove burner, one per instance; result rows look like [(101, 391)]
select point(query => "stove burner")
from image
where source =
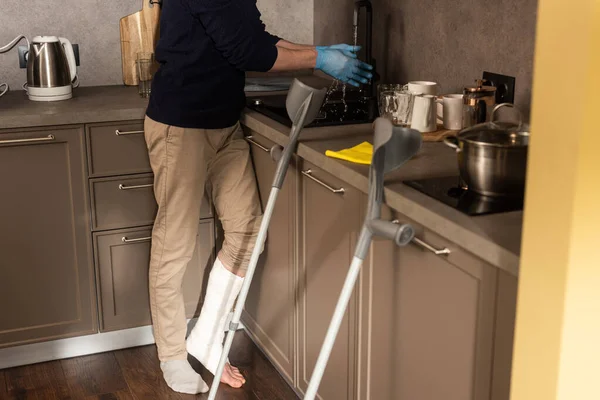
[(333, 113), (449, 191)]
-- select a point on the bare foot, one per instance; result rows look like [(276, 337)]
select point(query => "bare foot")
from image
[(232, 376)]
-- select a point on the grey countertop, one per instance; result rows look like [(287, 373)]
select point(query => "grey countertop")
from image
[(494, 238), (89, 104)]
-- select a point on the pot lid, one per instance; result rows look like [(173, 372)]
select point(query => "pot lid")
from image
[(500, 134), (497, 133)]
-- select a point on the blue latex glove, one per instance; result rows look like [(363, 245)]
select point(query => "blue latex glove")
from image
[(342, 64), (348, 50)]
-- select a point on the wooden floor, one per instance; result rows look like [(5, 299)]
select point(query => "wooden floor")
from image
[(135, 374)]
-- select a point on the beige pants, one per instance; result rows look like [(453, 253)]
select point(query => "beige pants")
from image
[(184, 161)]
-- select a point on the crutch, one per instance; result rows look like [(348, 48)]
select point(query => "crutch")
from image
[(392, 147), (303, 104)]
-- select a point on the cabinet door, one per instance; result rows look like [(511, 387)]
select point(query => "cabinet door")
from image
[(269, 311), (506, 310), (329, 226), (123, 258), (428, 323), (46, 276)]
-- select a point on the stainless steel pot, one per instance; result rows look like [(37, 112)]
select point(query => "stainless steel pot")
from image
[(492, 157)]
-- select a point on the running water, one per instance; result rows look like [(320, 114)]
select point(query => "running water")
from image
[(332, 88), (355, 37), (344, 102), (335, 85)]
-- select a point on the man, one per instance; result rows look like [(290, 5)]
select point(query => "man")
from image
[(194, 139)]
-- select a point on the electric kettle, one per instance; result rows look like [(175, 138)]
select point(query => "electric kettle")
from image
[(51, 69)]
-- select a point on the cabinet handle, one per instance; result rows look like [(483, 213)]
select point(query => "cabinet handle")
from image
[(440, 252), (260, 146), (42, 139), (426, 246), (124, 239), (124, 187), (308, 174), (119, 133)]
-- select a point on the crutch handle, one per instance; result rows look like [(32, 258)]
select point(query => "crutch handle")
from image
[(276, 152), (401, 234)]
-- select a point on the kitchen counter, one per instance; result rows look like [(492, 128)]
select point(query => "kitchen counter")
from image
[(89, 104), (494, 238)]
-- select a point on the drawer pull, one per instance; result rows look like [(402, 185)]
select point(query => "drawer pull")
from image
[(308, 174), (119, 133), (426, 246), (132, 187), (124, 239), (32, 140), (440, 252), (260, 146)]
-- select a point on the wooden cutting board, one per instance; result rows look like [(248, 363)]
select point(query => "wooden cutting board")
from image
[(139, 33), (439, 135)]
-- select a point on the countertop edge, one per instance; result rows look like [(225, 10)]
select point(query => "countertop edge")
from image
[(477, 245)]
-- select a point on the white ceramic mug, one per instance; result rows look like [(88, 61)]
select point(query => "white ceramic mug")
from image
[(452, 111), (3, 89), (422, 87), (424, 115)]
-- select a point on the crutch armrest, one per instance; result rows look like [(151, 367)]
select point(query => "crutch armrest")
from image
[(401, 234)]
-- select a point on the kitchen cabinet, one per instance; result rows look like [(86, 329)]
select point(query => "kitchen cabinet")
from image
[(427, 323), (269, 310), (506, 310), (122, 201), (117, 148), (122, 259), (46, 275), (123, 209), (329, 223)]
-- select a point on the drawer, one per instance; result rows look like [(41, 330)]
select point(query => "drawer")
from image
[(122, 202), (117, 149), (122, 260), (128, 201)]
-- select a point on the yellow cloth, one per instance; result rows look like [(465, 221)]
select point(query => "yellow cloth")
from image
[(359, 154)]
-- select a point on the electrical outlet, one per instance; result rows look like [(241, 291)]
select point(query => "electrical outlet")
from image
[(505, 86), (23, 51)]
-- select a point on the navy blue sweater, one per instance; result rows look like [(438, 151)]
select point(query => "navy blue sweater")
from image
[(204, 49)]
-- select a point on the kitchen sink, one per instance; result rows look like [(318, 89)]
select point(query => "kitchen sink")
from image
[(354, 109)]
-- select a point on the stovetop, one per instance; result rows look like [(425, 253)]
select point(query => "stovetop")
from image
[(334, 112), (449, 191)]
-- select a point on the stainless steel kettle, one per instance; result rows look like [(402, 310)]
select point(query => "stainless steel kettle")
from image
[(51, 69)]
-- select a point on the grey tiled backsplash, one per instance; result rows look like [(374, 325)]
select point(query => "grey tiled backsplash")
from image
[(453, 42), (450, 42)]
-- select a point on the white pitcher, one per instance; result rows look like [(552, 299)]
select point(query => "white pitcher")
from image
[(3, 89), (424, 115)]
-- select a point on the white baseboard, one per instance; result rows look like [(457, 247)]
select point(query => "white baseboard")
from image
[(78, 346)]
